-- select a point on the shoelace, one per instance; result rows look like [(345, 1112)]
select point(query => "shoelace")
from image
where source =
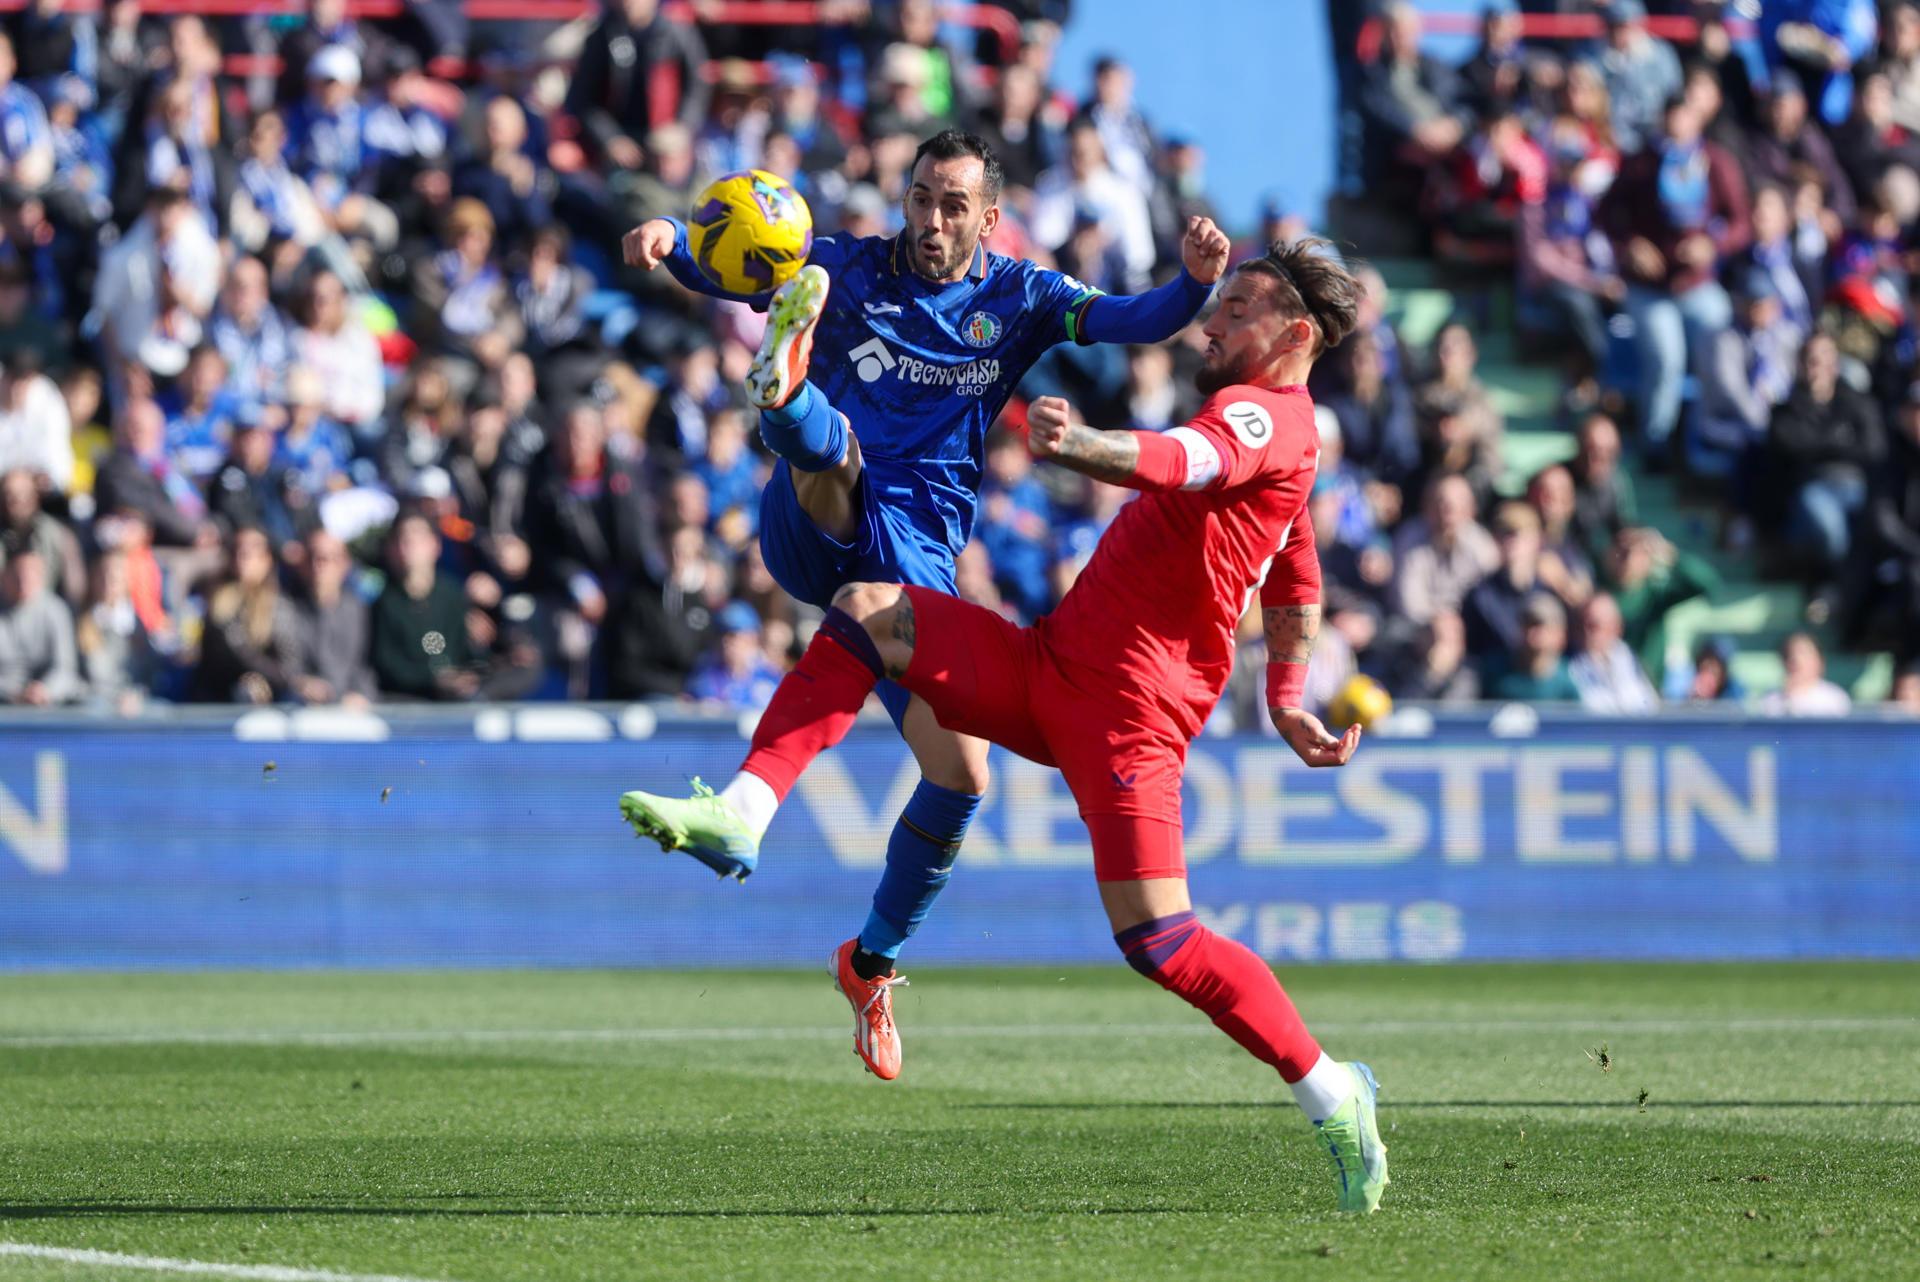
[(880, 990)]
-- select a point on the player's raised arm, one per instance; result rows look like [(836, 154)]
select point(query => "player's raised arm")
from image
[(1158, 314), (1176, 460), (1290, 615)]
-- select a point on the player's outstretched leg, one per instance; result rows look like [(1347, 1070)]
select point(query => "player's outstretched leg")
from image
[(811, 711), (779, 368), (1156, 929)]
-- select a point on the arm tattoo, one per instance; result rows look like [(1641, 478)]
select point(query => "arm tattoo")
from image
[(903, 633), (1105, 456), (1291, 630)]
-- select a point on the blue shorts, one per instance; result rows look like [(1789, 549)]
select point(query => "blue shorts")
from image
[(812, 565)]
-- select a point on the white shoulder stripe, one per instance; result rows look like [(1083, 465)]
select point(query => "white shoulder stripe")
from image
[(1203, 460)]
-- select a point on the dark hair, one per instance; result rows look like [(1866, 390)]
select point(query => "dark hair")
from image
[(1313, 283), (953, 144)]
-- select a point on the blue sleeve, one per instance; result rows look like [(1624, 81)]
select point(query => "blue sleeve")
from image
[(827, 252), (1152, 317)]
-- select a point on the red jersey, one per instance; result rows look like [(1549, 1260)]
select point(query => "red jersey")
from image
[(1154, 613)]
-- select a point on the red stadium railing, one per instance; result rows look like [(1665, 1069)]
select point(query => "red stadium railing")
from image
[(1540, 26)]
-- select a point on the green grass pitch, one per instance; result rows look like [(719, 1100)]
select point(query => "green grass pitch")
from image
[(1754, 1122)]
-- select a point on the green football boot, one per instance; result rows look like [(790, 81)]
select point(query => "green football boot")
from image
[(1352, 1137), (702, 825)]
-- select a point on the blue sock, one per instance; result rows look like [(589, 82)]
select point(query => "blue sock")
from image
[(919, 860), (807, 431)]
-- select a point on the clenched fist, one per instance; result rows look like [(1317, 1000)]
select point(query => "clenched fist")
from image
[(1048, 423), (1203, 250), (647, 245)]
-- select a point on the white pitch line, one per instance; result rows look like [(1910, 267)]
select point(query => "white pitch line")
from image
[(201, 1268), (520, 1036)]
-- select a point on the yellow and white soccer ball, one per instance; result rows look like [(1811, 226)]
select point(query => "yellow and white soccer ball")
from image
[(1362, 701), (750, 232)]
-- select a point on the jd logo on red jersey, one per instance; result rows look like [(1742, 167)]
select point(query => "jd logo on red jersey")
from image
[(1250, 423)]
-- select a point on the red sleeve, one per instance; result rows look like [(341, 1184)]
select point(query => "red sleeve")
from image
[(1257, 433), (1294, 576)]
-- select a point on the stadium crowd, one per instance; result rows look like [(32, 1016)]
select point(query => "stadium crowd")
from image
[(320, 379), (1719, 239)]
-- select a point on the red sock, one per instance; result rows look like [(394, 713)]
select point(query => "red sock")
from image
[(1227, 981), (815, 705)]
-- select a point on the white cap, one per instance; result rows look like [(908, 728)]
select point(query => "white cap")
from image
[(335, 62)]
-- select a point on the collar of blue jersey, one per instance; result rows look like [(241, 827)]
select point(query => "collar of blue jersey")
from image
[(898, 258)]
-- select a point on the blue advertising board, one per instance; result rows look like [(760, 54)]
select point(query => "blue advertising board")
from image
[(493, 840)]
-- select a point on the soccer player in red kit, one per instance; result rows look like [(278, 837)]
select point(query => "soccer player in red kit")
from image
[(1114, 684)]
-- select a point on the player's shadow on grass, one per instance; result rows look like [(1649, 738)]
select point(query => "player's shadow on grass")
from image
[(86, 1210), (1388, 1102)]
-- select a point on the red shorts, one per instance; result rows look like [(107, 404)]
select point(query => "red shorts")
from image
[(1121, 757)]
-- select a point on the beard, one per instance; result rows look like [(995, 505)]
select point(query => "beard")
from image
[(958, 251), (1214, 375)]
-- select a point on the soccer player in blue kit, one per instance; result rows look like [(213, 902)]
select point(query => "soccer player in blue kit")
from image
[(920, 339)]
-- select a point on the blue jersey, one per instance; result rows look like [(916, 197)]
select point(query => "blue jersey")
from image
[(921, 369)]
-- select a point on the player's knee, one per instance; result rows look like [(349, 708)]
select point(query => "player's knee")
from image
[(960, 775)]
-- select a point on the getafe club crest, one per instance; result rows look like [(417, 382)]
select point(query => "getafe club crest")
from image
[(982, 329)]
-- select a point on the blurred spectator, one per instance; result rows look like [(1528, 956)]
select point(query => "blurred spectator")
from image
[(35, 431), (1884, 577), (1375, 412), (251, 336), (313, 450), (1013, 526), (1642, 74), (1789, 146), (1603, 496), (503, 177), (178, 153), (1648, 577), (796, 103), (1563, 256), (157, 284), (26, 142), (737, 676), (1906, 691), (1123, 130), (253, 489), (252, 636), (419, 434), (272, 205), (202, 422), (1565, 566), (1087, 182), (1821, 40), (1805, 691), (1017, 127), (1872, 142), (332, 663), (465, 305), (328, 146), (1604, 668), (731, 475), (1826, 440), (1435, 666), (327, 25), (24, 525), (594, 528), (333, 342), (1677, 210), (491, 488), (1746, 373), (39, 663), (1900, 57), (1409, 104), (552, 295), (1535, 671), (1484, 197), (419, 648), (139, 477), (1494, 608), (1709, 678), (1445, 555), (637, 71), (112, 639)]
